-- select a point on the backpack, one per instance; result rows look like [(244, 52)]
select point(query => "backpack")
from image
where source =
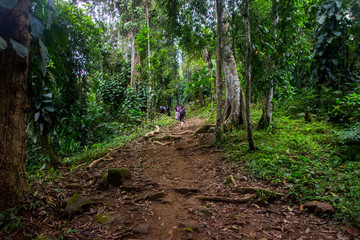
[(182, 112)]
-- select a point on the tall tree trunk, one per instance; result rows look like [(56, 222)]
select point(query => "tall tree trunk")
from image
[(148, 106), (234, 112), (132, 68), (14, 24), (219, 61), (266, 118), (248, 74)]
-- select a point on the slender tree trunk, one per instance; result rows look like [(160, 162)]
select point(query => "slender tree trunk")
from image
[(248, 74), (14, 24), (219, 61), (149, 64), (132, 68), (266, 118), (234, 112), (48, 150)]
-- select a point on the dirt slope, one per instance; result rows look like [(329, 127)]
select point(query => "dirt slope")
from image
[(161, 202)]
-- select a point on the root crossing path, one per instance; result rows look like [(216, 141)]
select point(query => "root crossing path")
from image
[(182, 188)]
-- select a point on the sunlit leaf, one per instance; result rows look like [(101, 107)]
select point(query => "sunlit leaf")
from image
[(20, 49), (36, 116), (321, 20), (37, 26), (50, 108), (49, 95), (3, 44), (8, 3)]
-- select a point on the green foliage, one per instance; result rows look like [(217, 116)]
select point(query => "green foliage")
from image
[(10, 221), (303, 158), (347, 108)]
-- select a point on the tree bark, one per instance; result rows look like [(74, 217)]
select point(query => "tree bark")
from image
[(14, 23), (219, 61), (248, 74), (132, 67), (234, 110), (48, 150), (148, 106), (266, 118)]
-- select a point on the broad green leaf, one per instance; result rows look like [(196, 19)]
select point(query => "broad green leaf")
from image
[(37, 26), (50, 108), (8, 3), (338, 16), (44, 56), (338, 3), (330, 39), (3, 44), (321, 20), (20, 49), (335, 61), (49, 95), (337, 33), (36, 116)]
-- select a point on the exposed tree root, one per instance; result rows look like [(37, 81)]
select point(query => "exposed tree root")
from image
[(187, 191), (106, 158), (205, 128), (152, 133), (227, 200), (258, 191), (162, 144), (166, 138), (184, 132)]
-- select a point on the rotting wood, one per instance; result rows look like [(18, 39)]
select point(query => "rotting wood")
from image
[(152, 133), (226, 199)]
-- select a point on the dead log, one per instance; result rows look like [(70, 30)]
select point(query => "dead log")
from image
[(227, 200)]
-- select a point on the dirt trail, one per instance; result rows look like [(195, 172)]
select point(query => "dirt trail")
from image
[(160, 201)]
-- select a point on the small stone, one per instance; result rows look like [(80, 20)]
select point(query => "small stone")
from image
[(77, 203), (42, 237), (116, 176), (156, 196), (105, 218), (319, 208), (74, 186), (142, 228)]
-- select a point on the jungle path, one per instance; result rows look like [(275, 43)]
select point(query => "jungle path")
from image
[(161, 201)]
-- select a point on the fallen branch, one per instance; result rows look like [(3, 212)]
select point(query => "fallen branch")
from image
[(227, 200)]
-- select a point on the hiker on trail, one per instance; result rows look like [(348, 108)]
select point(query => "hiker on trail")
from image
[(182, 116), (162, 109), (177, 110)]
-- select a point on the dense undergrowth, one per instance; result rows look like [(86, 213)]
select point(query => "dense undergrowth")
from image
[(308, 159)]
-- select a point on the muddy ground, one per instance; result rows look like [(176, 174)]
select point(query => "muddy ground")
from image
[(163, 198)]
